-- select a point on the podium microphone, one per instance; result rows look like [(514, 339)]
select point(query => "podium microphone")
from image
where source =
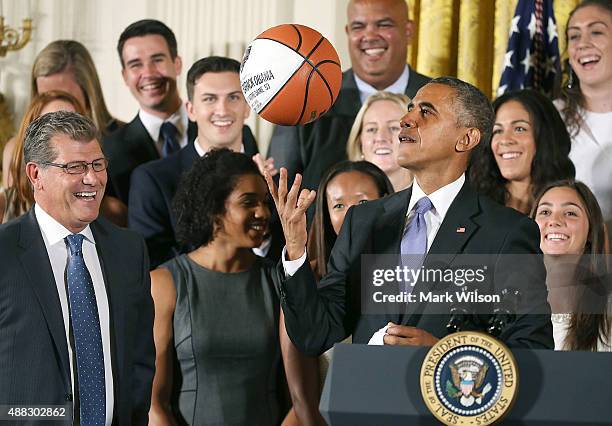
[(461, 315), (505, 312)]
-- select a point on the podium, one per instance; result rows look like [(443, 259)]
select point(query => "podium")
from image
[(379, 385)]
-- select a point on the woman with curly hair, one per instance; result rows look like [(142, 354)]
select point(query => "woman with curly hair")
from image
[(529, 147), (217, 312), (573, 240), (586, 97), (17, 197)]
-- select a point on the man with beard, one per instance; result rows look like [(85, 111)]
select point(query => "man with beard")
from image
[(150, 66), (379, 32)]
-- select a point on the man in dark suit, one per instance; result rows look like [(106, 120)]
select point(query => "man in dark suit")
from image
[(150, 66), (76, 315), (378, 33), (218, 107), (445, 121)]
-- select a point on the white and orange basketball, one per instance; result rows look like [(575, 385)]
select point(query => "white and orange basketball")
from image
[(290, 74)]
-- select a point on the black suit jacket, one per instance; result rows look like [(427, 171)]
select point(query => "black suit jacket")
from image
[(153, 187), (34, 363), (315, 320), (313, 148), (126, 149)]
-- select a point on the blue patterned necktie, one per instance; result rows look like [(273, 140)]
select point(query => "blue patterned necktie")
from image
[(87, 335), (169, 134), (414, 242)]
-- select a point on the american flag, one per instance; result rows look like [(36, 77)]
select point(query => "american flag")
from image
[(532, 58)]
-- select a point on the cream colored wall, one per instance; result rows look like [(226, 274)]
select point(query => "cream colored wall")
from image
[(202, 28)]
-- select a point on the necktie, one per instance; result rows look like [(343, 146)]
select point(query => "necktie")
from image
[(169, 134), (414, 241), (87, 335)]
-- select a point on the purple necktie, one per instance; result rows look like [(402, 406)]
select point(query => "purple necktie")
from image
[(414, 242)]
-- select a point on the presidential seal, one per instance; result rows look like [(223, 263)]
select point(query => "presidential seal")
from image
[(469, 378)]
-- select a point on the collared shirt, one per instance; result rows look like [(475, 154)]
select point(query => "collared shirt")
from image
[(441, 199), (201, 151), (53, 234), (153, 125), (398, 87)]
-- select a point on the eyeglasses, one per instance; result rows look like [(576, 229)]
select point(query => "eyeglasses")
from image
[(80, 167)]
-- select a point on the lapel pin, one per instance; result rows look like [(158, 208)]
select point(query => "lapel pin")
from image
[(460, 230)]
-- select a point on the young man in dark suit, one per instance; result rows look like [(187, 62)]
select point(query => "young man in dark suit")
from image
[(218, 107), (76, 315), (445, 121), (378, 32), (150, 65)]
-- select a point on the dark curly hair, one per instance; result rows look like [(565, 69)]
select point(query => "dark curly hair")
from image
[(551, 160), (322, 236), (571, 93), (200, 199)]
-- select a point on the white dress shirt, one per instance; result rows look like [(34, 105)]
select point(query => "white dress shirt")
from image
[(153, 125), (53, 234), (441, 199), (399, 86)]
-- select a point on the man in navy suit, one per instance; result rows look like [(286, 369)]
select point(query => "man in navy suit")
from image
[(445, 122), (64, 306), (150, 65), (217, 105)]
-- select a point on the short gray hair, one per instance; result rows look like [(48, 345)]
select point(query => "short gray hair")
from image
[(472, 107), (37, 145)]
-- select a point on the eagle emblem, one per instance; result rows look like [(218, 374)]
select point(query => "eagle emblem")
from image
[(468, 374)]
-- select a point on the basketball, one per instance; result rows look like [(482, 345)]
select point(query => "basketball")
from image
[(290, 74)]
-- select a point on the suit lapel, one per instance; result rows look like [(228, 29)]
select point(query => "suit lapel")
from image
[(136, 131), (37, 267), (387, 236), (454, 233), (248, 141), (389, 228), (192, 131)]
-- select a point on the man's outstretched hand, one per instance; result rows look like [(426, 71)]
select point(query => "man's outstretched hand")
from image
[(291, 206)]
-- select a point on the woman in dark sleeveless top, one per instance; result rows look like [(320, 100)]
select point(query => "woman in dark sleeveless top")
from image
[(216, 308)]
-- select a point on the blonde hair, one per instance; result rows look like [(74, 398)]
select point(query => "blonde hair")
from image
[(353, 145), (70, 55)]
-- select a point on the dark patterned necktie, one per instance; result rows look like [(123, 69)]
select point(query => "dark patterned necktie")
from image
[(87, 336), (169, 134)]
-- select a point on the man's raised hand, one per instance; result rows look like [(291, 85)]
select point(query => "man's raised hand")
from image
[(291, 206)]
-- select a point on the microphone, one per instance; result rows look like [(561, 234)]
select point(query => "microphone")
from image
[(505, 312), (461, 316)]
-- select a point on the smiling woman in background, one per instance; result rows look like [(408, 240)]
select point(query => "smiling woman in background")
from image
[(17, 197), (529, 148), (572, 239), (586, 101), (374, 136)]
